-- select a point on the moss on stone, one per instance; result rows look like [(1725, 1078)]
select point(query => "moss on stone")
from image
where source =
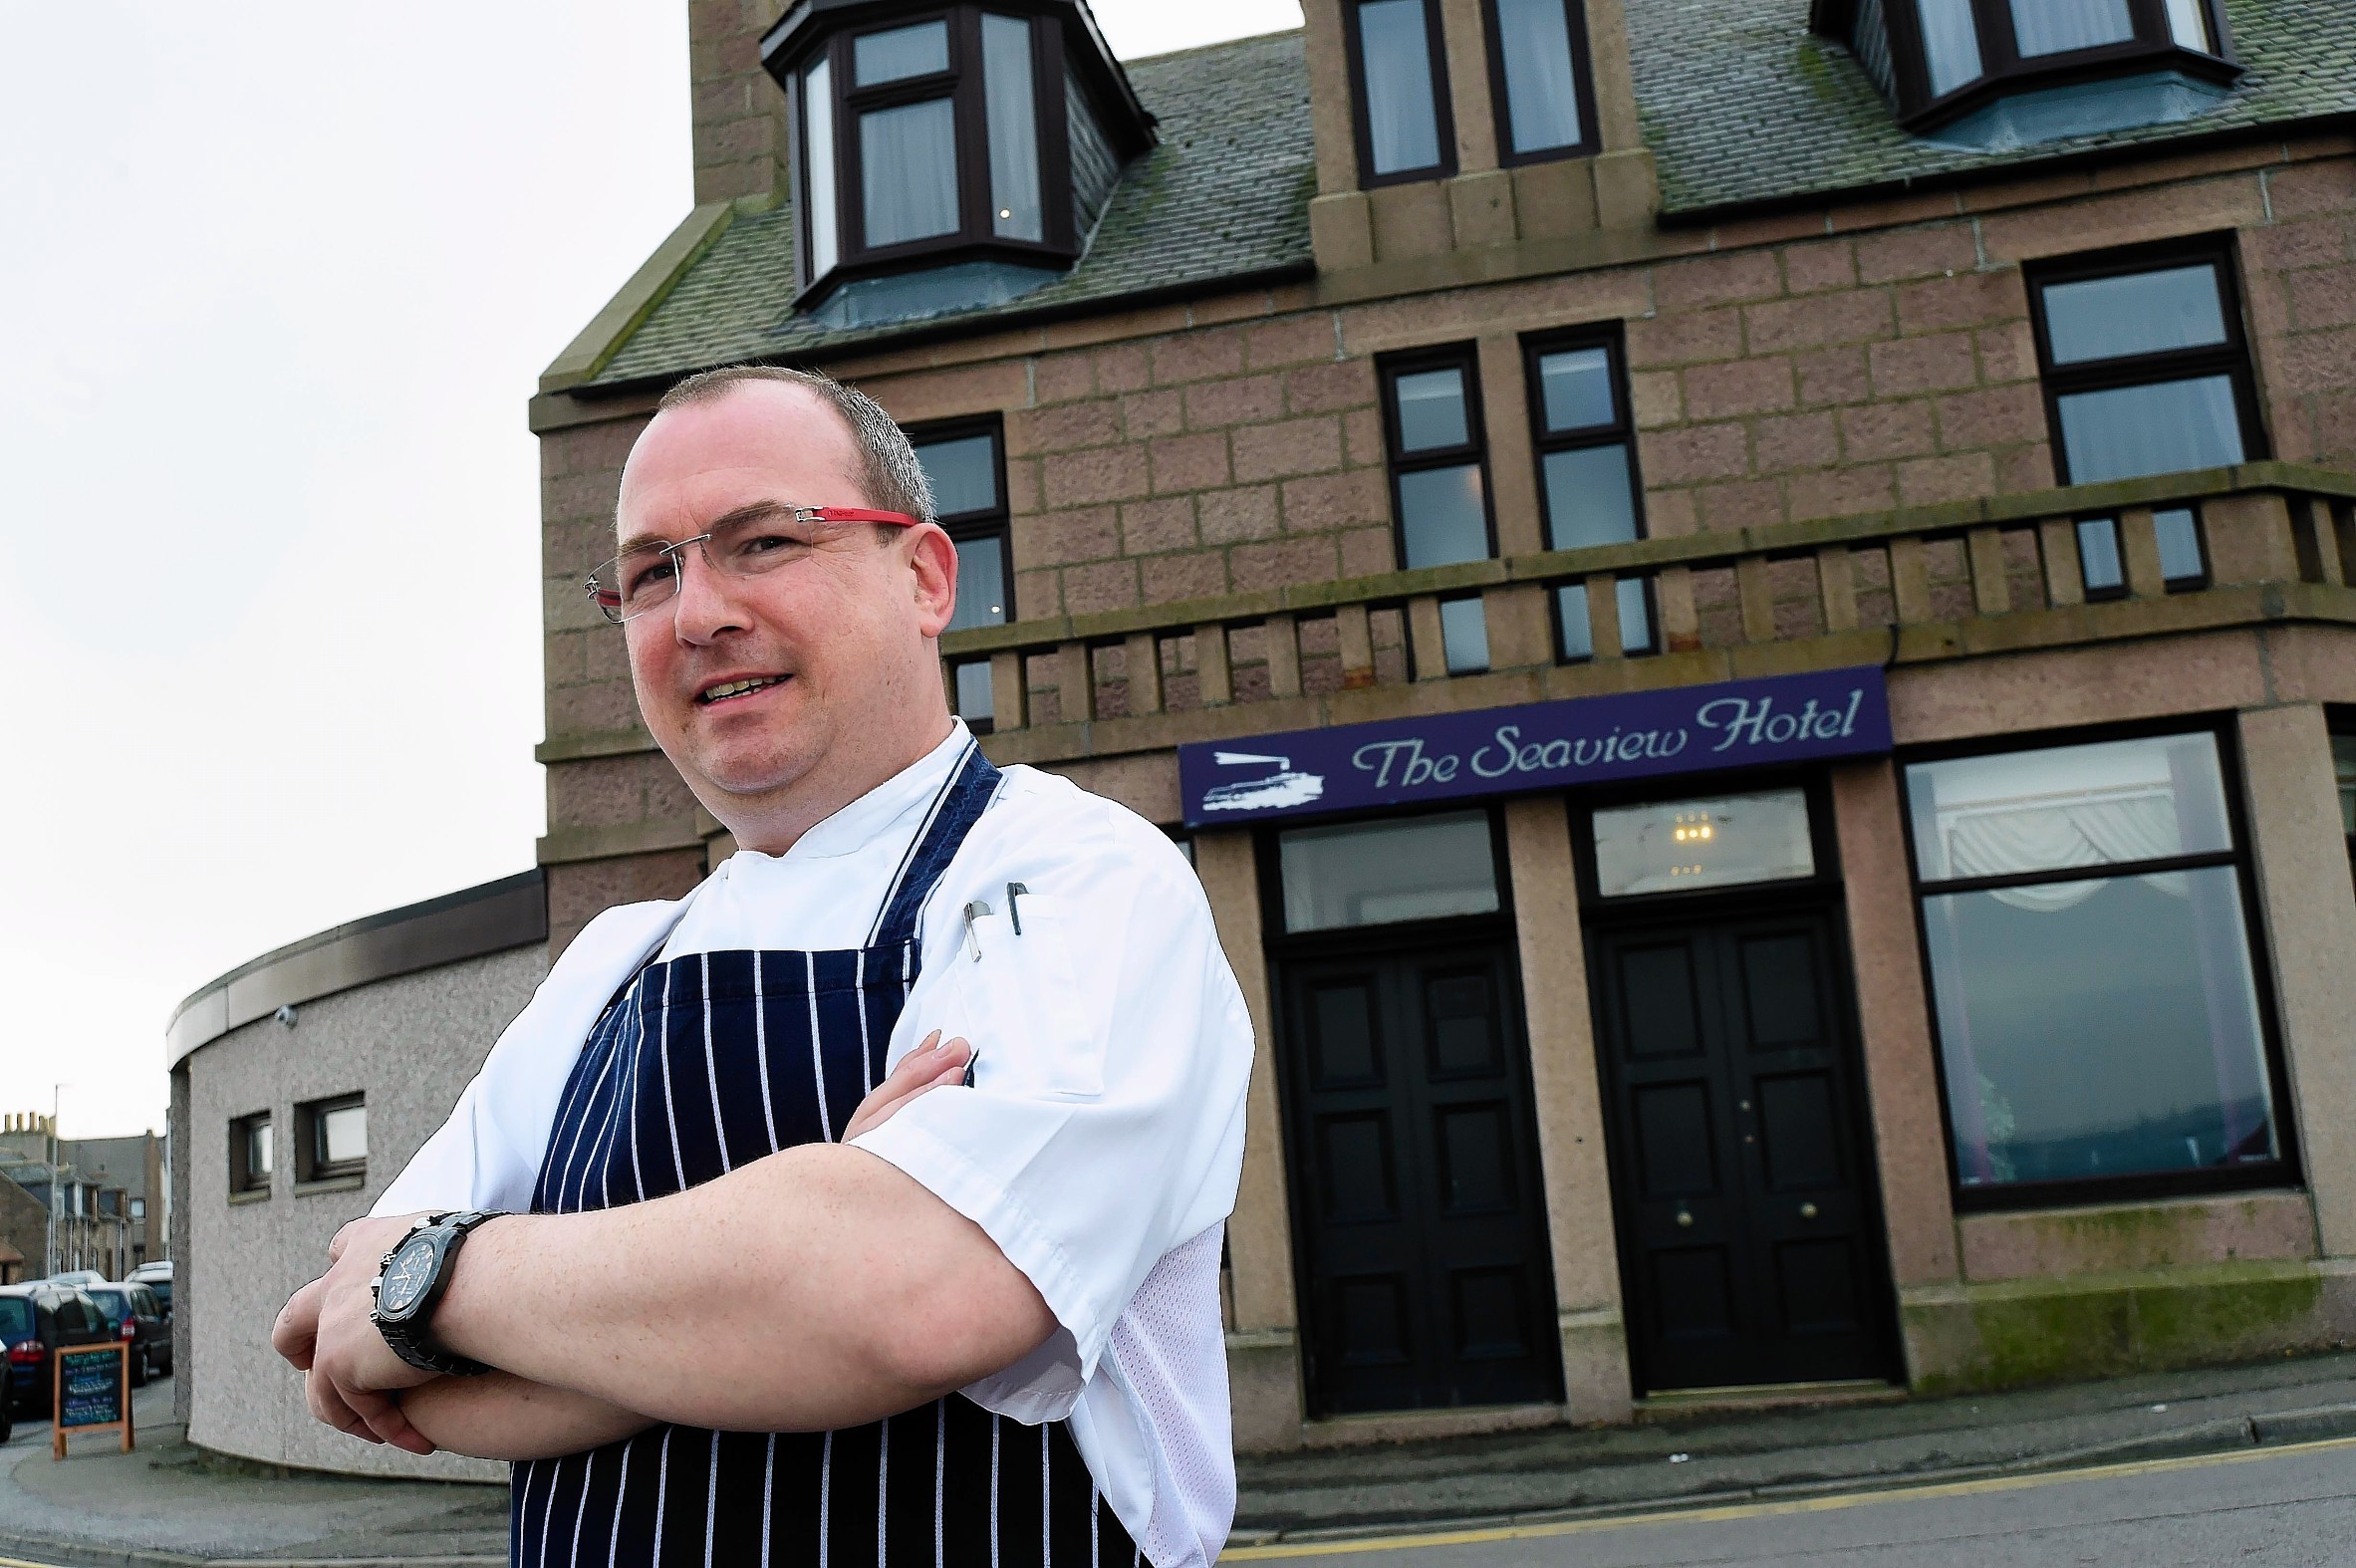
[(2025, 1333)]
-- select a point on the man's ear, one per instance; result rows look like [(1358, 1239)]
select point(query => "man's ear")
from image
[(933, 573)]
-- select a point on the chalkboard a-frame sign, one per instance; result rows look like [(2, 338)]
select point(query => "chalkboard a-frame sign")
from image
[(91, 1392)]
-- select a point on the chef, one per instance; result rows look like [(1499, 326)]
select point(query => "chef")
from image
[(737, 1246)]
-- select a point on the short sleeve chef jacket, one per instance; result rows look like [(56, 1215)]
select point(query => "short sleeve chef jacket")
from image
[(1099, 1146)]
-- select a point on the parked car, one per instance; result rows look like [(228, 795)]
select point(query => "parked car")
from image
[(77, 1276), (35, 1320), (156, 1277), (134, 1313)]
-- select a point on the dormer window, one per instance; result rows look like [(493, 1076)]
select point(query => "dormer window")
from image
[(976, 146), (1996, 74)]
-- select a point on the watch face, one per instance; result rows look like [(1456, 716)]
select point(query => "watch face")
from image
[(406, 1277)]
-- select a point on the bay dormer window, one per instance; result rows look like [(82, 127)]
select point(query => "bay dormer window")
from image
[(964, 152), (1999, 74)]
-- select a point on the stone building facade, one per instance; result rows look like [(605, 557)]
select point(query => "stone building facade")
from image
[(1949, 406)]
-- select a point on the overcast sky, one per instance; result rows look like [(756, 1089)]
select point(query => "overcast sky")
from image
[(278, 280)]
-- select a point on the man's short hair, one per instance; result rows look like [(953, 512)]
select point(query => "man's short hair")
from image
[(887, 469)]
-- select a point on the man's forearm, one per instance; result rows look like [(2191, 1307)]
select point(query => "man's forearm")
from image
[(502, 1417), (816, 1288)]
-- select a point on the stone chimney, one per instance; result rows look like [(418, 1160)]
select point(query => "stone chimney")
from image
[(740, 119)]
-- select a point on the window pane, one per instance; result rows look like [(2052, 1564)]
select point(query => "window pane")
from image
[(981, 584), (2106, 804), (1951, 41), (1376, 873), (257, 1151), (2104, 1028), (908, 165), (2343, 761), (1401, 110), (1578, 627), (963, 474), (1440, 516), (1541, 87), (2170, 428), (2049, 26), (2098, 556), (1014, 128), (818, 142), (2142, 313), (904, 52), (1636, 616), (1723, 842), (1589, 498), (1465, 636), (974, 697), (1575, 388), (2179, 545), (344, 1135), (2187, 24), (1432, 411)]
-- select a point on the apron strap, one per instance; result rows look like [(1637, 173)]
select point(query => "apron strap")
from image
[(968, 794)]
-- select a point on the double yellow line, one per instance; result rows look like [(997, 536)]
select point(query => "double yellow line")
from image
[(1718, 1513)]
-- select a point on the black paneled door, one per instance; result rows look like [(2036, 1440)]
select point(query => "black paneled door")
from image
[(1742, 1185), (1425, 1274)]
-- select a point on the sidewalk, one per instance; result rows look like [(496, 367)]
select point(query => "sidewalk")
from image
[(1554, 1473), (164, 1506)]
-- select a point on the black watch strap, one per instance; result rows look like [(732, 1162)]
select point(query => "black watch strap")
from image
[(408, 1336)]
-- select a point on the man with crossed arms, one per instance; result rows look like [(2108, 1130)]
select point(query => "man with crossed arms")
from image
[(734, 1245)]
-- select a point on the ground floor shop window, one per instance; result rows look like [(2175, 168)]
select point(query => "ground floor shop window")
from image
[(2086, 922)]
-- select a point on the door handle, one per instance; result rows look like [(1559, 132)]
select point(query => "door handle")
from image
[(1807, 1210), (1685, 1217)]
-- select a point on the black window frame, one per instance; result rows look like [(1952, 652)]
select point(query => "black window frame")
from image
[(975, 236), (1463, 357), (1583, 83), (2004, 71), (2232, 358), (1466, 358), (2340, 726), (978, 524), (245, 1184), (1444, 113), (2287, 1169), (311, 1161), (1612, 337), (1823, 887)]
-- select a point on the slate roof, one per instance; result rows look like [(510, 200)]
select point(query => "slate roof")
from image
[(1740, 103), (1743, 105), (1223, 196)]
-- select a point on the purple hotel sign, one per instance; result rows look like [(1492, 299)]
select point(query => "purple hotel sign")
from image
[(1546, 745)]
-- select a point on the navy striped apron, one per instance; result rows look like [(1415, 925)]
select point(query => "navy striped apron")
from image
[(706, 1063)]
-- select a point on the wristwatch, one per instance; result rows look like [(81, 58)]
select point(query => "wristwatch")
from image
[(409, 1284)]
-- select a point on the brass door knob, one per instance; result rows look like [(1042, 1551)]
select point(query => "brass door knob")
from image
[(1807, 1210), (1685, 1217)]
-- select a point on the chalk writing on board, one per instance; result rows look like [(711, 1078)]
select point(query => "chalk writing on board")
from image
[(94, 1387)]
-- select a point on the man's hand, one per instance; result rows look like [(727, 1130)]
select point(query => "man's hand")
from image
[(351, 1377), (928, 1067)]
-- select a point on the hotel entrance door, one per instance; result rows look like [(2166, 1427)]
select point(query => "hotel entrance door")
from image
[(1742, 1179), (1419, 1227)]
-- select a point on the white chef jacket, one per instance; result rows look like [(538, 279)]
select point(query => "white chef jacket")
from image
[(1099, 1146)]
